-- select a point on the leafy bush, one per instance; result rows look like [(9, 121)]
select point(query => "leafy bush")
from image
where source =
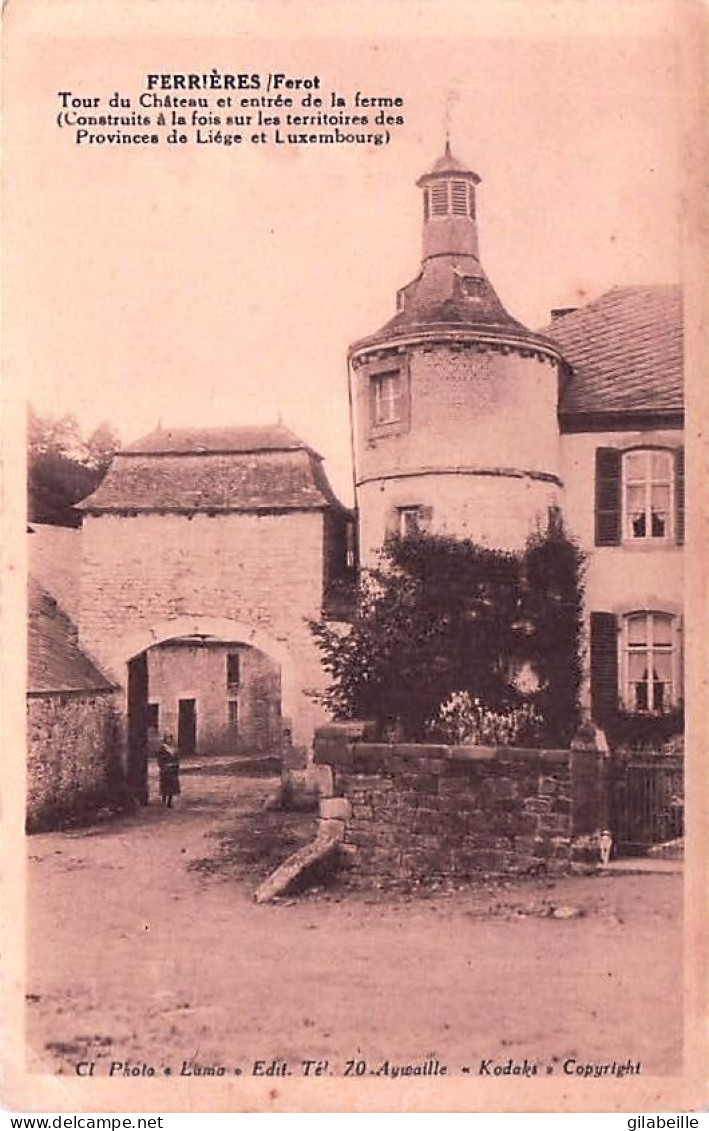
[(442, 615), (629, 731)]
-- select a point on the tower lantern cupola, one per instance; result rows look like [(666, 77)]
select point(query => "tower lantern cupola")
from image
[(449, 226)]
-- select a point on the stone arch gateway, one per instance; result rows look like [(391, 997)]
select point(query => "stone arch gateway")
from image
[(127, 660)]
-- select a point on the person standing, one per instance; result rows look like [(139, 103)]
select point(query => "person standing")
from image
[(169, 767)]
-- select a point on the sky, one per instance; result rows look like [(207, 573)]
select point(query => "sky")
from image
[(213, 285)]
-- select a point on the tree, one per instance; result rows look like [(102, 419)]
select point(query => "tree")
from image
[(442, 615), (63, 467)]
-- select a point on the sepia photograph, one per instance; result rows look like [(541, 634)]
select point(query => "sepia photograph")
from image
[(350, 363)]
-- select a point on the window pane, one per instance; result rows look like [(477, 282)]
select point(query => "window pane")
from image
[(660, 696), (660, 497), (409, 521), (662, 666), (638, 525), (232, 669), (660, 508), (640, 697), (661, 466), (662, 629), (637, 630), (636, 466), (659, 524), (637, 667), (635, 499), (386, 397)]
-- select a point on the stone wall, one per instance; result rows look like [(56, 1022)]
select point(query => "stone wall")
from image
[(71, 756), (263, 571), (426, 812)]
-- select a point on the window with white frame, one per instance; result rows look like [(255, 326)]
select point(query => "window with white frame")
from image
[(650, 662), (386, 389), (647, 494), (409, 520)]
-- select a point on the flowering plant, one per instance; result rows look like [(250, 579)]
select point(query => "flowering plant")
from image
[(464, 719)]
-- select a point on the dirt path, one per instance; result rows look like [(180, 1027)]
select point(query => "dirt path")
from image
[(134, 949)]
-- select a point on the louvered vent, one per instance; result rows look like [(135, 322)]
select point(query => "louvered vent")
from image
[(439, 199), (459, 192)]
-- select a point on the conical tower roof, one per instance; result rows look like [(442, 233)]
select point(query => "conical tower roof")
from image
[(452, 294)]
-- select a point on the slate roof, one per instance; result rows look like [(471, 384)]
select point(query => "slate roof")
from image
[(55, 661), (452, 292), (625, 352), (215, 469), (259, 438)]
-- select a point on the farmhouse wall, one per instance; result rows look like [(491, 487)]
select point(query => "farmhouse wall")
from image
[(71, 754), (199, 672)]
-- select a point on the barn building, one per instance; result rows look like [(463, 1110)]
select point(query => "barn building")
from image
[(204, 554), (72, 735)]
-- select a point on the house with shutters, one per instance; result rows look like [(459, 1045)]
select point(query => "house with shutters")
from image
[(621, 420), (466, 422)]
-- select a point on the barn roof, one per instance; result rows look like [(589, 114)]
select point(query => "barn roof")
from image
[(55, 661), (215, 470), (197, 441), (625, 353)]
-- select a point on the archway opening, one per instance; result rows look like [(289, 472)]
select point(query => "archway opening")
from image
[(213, 695)]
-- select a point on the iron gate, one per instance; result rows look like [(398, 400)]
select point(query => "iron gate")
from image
[(647, 801)]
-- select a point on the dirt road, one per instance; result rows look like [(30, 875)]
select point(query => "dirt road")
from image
[(143, 936)]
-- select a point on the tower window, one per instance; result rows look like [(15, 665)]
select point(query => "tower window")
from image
[(412, 520), (426, 204), (385, 397)]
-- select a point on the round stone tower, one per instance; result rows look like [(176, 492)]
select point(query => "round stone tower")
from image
[(454, 402)]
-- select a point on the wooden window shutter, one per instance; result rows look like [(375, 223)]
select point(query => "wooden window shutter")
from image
[(608, 496), (679, 496), (604, 666)]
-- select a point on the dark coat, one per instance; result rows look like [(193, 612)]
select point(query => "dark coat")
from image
[(169, 766)]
